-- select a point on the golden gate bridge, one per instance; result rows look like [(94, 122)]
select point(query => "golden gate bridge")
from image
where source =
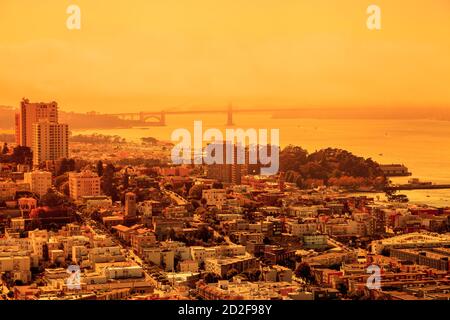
[(159, 118)]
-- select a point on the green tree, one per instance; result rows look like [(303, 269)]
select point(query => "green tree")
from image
[(292, 157), (231, 273), (109, 170), (253, 274), (149, 140), (217, 185), (22, 155), (64, 167), (100, 168), (5, 148), (299, 181), (205, 234), (71, 164), (126, 181), (52, 199), (210, 277), (196, 191), (303, 271), (108, 181), (385, 252), (172, 234), (59, 180), (342, 288)]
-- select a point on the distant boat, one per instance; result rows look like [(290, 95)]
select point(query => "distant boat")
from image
[(398, 198), (417, 182), (380, 154)]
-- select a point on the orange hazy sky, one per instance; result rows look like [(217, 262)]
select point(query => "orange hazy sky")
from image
[(167, 54)]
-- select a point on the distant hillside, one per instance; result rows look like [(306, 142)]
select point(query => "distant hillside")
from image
[(98, 121), (75, 120)]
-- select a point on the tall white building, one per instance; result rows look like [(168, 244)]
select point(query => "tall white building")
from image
[(39, 181), (50, 141), (83, 184)]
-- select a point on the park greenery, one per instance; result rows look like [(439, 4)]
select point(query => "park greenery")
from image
[(330, 167)]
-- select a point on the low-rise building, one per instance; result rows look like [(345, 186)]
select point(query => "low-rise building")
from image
[(437, 258), (39, 181), (221, 266), (276, 273), (189, 266), (215, 197), (315, 241), (105, 254)]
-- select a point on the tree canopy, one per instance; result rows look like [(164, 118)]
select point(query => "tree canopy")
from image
[(331, 166)]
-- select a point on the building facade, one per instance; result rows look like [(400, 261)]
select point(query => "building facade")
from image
[(50, 141), (39, 181), (31, 113), (83, 184)]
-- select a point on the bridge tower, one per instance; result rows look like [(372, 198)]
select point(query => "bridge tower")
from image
[(230, 116), (163, 118)]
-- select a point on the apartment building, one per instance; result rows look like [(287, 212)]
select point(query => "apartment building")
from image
[(84, 184), (301, 229), (223, 265), (17, 265), (106, 254), (39, 181), (50, 141), (31, 113)]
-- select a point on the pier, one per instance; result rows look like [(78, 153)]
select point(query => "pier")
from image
[(417, 187)]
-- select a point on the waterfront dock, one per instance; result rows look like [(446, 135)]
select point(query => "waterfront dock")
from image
[(417, 187)]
